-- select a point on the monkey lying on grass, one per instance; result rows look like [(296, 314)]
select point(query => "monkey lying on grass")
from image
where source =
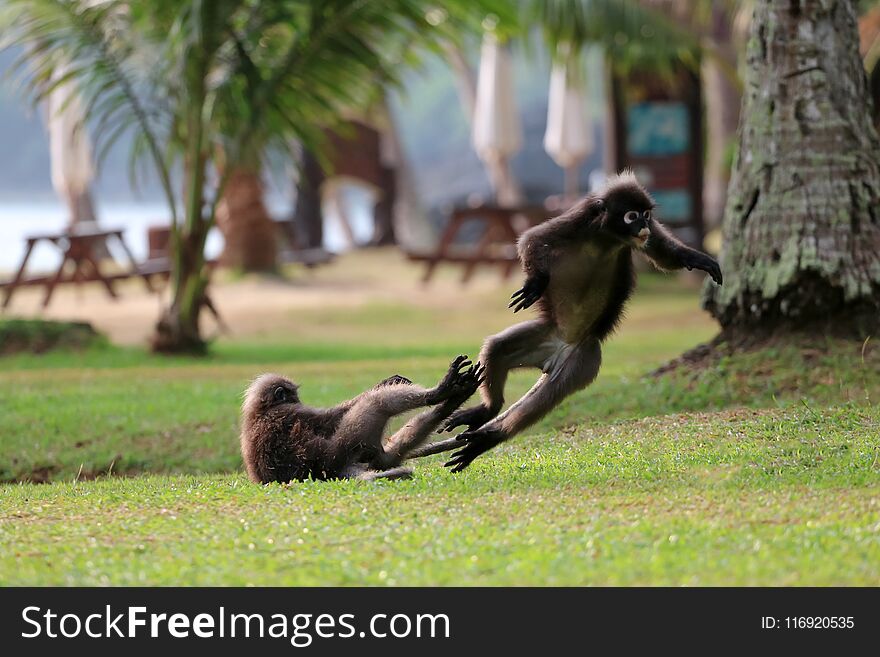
[(283, 439), (579, 270)]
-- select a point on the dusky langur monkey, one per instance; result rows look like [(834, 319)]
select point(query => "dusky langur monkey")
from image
[(579, 271), (282, 439)]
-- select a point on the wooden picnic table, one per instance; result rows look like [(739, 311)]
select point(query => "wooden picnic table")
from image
[(496, 246), (76, 246)]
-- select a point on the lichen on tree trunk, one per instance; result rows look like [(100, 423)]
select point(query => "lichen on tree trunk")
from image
[(802, 220)]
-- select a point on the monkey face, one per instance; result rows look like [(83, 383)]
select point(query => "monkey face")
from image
[(638, 223), (269, 391), (629, 211)]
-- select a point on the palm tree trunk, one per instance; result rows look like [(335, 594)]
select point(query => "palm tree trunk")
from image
[(802, 221), (81, 210), (248, 230), (177, 330)]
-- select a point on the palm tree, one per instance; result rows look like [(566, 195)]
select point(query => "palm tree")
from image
[(801, 227), (208, 87)]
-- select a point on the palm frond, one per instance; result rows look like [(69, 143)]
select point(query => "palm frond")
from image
[(82, 40), (632, 35)]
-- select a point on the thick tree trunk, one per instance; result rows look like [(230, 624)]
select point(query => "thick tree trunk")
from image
[(802, 220), (248, 230)]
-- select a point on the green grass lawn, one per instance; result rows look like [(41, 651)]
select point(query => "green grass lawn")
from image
[(762, 470)]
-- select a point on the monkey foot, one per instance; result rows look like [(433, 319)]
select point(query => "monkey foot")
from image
[(478, 442), (451, 383), (473, 418), (466, 383)]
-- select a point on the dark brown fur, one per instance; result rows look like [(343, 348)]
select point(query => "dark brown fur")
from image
[(283, 439), (579, 271)]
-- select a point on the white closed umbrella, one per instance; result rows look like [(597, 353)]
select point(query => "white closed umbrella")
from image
[(569, 136), (70, 152), (497, 133)]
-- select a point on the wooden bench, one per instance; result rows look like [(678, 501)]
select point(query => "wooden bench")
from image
[(78, 247), (496, 246), (158, 260)]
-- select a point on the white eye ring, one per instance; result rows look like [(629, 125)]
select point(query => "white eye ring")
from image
[(648, 214), (630, 216)]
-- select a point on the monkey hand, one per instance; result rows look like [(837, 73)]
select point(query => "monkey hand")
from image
[(478, 442), (703, 262), (473, 417), (530, 292), (397, 379), (450, 383)]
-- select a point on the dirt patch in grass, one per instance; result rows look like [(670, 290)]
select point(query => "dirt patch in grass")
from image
[(41, 474), (47, 474)]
